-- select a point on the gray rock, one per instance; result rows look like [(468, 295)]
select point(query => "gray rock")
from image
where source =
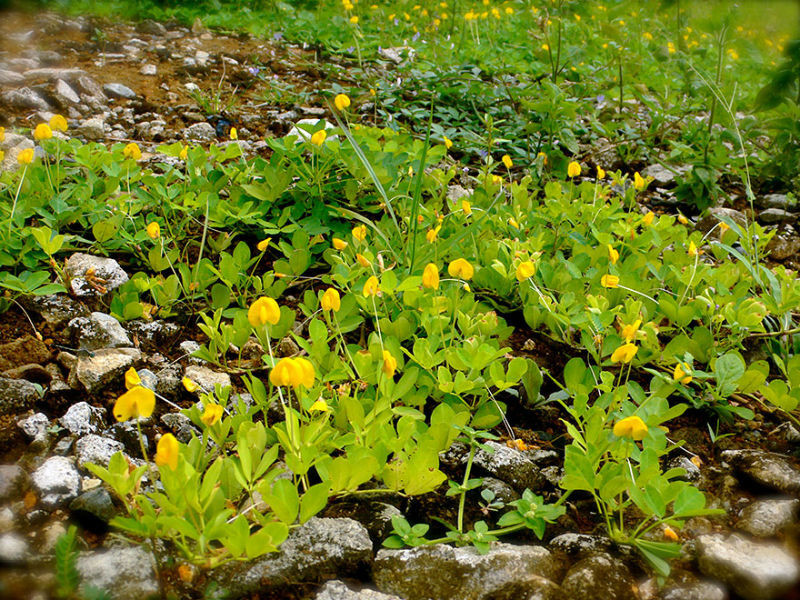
[(94, 372), (599, 577), (395, 54), (10, 78), (119, 90), (17, 395), (126, 572), (106, 274), (446, 573), (768, 517), (189, 347), (99, 330), (755, 570), (148, 70), (56, 309), (25, 98), (319, 549), (784, 245), (206, 378), (773, 201), (699, 590), (580, 544), (13, 482), (766, 469), (713, 217), (507, 464), (82, 418), (151, 27), (660, 174), (35, 426), (501, 490), (338, 590), (57, 481), (13, 549), (456, 192), (93, 129), (180, 425), (52, 74), (776, 215), (90, 87), (681, 462), (200, 132), (96, 502), (96, 449), (65, 94), (532, 587)]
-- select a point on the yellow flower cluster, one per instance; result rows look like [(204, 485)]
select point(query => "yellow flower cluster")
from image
[(293, 372)]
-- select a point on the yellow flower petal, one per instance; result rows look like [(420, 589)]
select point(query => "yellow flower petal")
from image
[(135, 403), (264, 310), (430, 277), (167, 451), (632, 427)]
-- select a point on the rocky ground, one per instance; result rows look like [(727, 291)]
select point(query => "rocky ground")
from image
[(123, 82)]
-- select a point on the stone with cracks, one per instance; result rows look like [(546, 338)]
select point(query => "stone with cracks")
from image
[(57, 481), (769, 516), (599, 577), (94, 275), (82, 418), (103, 366), (17, 395), (766, 469), (99, 330), (96, 449), (126, 572), (338, 590)]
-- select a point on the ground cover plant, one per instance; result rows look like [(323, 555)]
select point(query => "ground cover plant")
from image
[(512, 234)]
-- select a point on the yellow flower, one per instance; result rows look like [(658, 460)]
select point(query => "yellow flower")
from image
[(264, 310), (430, 277), (573, 169), (339, 244), (167, 451), (693, 251), (466, 207), (525, 269), (2, 156), (432, 234), (629, 331), (136, 402), (211, 414), (389, 363), (613, 255), (670, 535), (2, 133), (631, 427), (507, 161), (362, 261), (624, 353), (184, 153), (153, 230), (543, 156), (25, 157), (639, 182), (682, 220), (460, 268), (609, 281), (42, 132), (723, 228), (320, 406), (371, 287), (132, 151), (601, 174), (330, 300), (497, 180), (647, 220), (189, 385), (682, 373), (360, 232), (647, 35), (132, 379), (234, 134), (263, 244), (319, 137), (341, 101), (513, 222), (58, 123), (354, 20), (293, 372), (447, 143)]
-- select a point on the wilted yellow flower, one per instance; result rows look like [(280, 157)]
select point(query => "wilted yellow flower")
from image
[(682, 373), (670, 535), (629, 331), (211, 414), (513, 222), (639, 182), (371, 287), (330, 300), (389, 363), (341, 101), (573, 169), (233, 133), (264, 310), (507, 161), (647, 220), (723, 228), (153, 230), (137, 402), (58, 122), (360, 232), (132, 151), (624, 353), (613, 255), (543, 156), (461, 268), (362, 261), (189, 385), (600, 172), (466, 207), (447, 143), (692, 249), (184, 153), (339, 244), (167, 451), (25, 157), (609, 281), (132, 379), (42, 132), (632, 427), (430, 276), (682, 220), (263, 244), (293, 372), (432, 234), (525, 269), (319, 137)]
